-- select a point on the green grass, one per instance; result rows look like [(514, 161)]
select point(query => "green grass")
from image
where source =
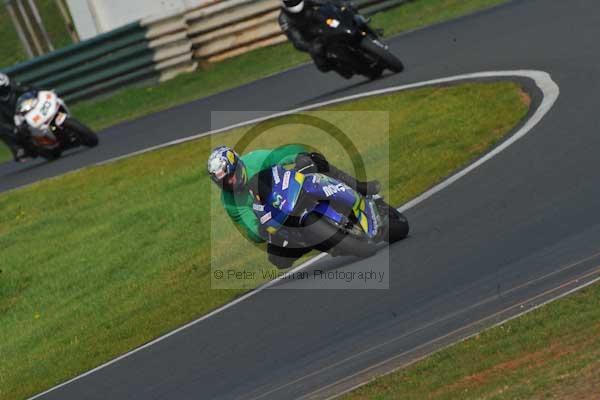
[(551, 353), (5, 153), (135, 102), (420, 13), (54, 23), (99, 261), (11, 50)]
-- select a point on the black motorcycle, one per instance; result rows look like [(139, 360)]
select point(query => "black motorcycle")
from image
[(351, 45)]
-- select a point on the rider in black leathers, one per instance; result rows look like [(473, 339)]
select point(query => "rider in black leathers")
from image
[(297, 20), (14, 137)]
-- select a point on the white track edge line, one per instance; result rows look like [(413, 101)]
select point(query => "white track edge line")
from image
[(544, 82), (539, 77)]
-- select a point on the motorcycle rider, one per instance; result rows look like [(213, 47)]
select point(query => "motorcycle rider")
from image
[(297, 19), (14, 137), (239, 177)]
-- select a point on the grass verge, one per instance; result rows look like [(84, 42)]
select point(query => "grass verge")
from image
[(5, 153), (99, 261), (54, 23), (132, 103), (11, 50), (551, 353)]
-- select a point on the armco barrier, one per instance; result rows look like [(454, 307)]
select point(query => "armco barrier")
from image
[(153, 50), (160, 48), (233, 27)]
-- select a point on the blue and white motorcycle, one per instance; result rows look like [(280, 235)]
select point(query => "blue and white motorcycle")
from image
[(315, 211)]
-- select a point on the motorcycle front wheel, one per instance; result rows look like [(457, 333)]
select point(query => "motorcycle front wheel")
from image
[(398, 226), (86, 136), (326, 237), (385, 56)]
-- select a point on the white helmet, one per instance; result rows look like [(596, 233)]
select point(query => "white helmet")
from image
[(293, 6)]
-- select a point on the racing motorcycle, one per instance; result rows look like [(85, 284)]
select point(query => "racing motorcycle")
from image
[(51, 128), (351, 45), (315, 211)]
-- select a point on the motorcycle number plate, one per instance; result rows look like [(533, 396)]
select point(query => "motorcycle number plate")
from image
[(45, 109)]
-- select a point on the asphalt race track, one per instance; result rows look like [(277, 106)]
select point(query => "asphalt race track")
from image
[(513, 233)]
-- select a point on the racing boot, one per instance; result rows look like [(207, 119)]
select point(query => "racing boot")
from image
[(316, 161), (323, 67), (345, 73), (368, 188), (21, 155)]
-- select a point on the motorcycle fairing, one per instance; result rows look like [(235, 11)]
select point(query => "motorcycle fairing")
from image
[(339, 21), (287, 185), (44, 111), (329, 190)]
